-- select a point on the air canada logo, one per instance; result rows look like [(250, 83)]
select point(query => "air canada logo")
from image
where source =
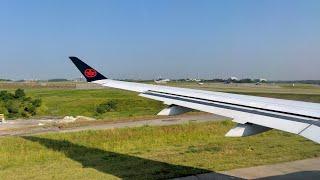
[(90, 73)]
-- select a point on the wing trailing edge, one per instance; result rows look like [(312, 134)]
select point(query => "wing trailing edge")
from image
[(253, 114)]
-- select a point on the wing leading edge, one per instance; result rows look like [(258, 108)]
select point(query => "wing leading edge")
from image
[(253, 114)]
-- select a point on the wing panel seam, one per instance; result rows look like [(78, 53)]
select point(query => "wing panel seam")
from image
[(252, 111), (294, 114)]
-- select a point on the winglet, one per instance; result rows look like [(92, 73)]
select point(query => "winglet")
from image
[(88, 72)]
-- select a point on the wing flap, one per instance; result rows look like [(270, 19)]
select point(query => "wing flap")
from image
[(284, 122), (291, 107), (242, 130), (312, 132)]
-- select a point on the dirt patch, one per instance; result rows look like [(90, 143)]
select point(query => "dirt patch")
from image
[(79, 123)]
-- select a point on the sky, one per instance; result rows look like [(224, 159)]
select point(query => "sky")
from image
[(147, 39)]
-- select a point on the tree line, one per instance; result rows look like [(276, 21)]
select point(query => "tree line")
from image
[(16, 104)]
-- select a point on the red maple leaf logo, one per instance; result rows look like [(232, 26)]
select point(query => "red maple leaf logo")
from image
[(90, 73)]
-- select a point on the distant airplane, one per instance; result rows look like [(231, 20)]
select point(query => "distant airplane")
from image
[(161, 81), (253, 114)]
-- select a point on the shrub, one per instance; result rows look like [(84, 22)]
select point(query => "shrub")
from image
[(37, 102), (3, 109), (31, 109), (106, 107), (17, 104), (5, 96), (13, 108), (19, 93)]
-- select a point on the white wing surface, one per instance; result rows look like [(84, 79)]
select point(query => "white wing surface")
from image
[(253, 114)]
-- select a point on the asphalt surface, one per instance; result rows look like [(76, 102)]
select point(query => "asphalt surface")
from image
[(308, 169)]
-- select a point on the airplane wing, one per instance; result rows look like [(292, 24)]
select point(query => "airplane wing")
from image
[(253, 115)]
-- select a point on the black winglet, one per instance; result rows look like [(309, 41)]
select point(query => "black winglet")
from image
[(88, 72)]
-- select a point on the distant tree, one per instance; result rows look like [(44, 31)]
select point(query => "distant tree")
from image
[(218, 80), (5, 80), (19, 93), (247, 80), (57, 80)]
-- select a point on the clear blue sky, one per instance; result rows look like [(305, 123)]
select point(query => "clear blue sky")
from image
[(145, 39)]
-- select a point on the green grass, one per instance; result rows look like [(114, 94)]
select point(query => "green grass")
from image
[(62, 101), (84, 102), (146, 152)]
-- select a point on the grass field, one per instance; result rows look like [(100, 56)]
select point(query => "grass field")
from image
[(146, 152), (84, 102), (61, 100)]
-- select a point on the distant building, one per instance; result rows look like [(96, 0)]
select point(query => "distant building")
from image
[(195, 80), (161, 81), (231, 80), (234, 78), (80, 79), (88, 86), (263, 80)]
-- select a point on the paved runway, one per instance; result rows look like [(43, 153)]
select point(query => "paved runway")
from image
[(297, 170)]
